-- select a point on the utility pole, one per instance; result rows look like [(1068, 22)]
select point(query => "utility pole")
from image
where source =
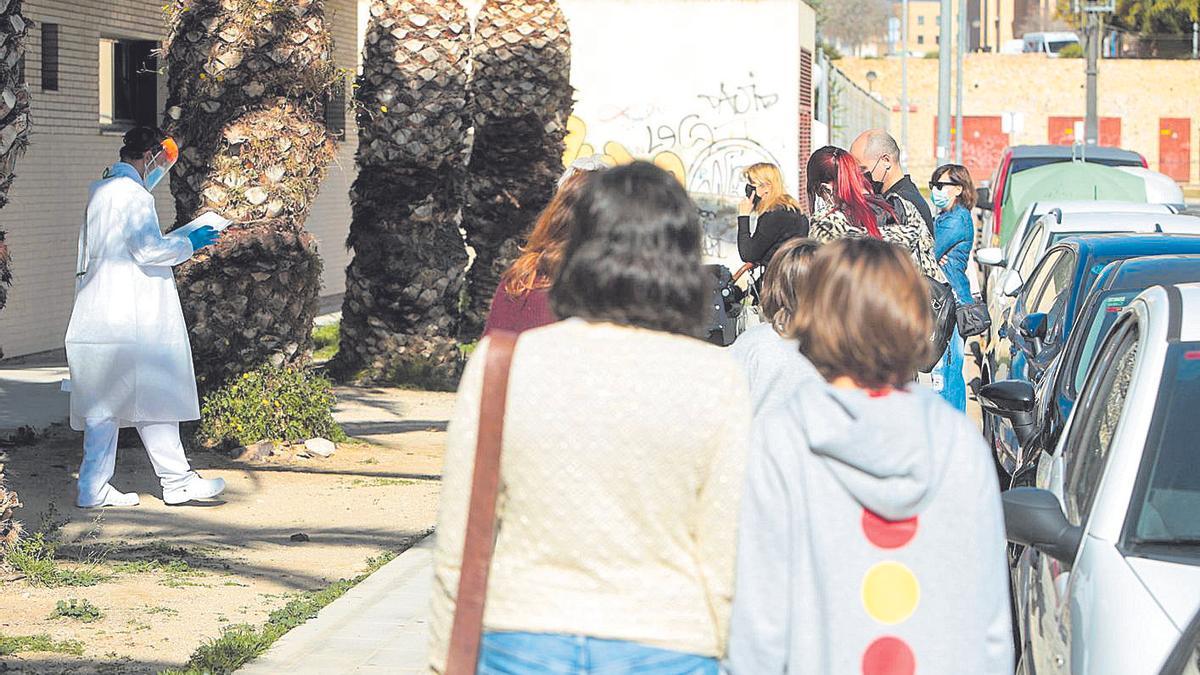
[(1195, 39), (946, 35), (1091, 125), (961, 44), (904, 81)]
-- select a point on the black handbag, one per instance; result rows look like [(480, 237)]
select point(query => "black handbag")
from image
[(943, 305), (973, 320)]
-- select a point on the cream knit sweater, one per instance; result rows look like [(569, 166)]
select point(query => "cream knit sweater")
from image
[(621, 478)]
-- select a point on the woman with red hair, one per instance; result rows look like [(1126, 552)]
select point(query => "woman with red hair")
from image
[(843, 205), (522, 300)]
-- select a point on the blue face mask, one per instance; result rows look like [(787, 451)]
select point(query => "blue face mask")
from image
[(154, 177), (939, 198)]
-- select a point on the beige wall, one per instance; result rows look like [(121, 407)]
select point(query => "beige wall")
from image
[(1139, 92), (68, 152)]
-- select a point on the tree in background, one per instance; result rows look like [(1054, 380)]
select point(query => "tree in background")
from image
[(403, 286), (853, 23), (1163, 26), (521, 98), (14, 137), (248, 84)]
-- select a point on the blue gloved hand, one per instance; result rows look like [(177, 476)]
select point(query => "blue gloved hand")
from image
[(202, 236)]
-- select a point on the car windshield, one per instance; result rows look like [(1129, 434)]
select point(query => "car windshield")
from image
[(1167, 498), (1056, 46), (1026, 163), (1104, 314)]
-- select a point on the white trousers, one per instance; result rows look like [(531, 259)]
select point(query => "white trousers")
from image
[(100, 455)]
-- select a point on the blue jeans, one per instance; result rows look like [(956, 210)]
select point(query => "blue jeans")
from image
[(504, 653), (948, 380)]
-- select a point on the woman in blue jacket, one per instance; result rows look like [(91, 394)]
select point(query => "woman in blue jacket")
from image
[(953, 195)]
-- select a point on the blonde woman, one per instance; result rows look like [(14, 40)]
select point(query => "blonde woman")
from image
[(778, 215)]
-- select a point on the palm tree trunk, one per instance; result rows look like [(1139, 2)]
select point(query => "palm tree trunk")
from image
[(521, 98), (248, 82), (400, 312)]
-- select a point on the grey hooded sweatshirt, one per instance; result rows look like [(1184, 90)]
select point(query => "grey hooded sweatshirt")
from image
[(871, 541)]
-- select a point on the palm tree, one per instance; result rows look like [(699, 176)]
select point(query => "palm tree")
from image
[(400, 311), (248, 82), (521, 98), (14, 122)]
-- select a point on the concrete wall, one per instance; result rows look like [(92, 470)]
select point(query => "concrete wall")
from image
[(69, 151), (1031, 89), (703, 88)]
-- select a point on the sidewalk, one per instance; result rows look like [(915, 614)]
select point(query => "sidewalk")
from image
[(379, 626), (32, 396)]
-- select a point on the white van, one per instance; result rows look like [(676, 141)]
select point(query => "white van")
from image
[(1049, 44)]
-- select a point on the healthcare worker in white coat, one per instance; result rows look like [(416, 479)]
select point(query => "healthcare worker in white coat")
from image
[(127, 345)]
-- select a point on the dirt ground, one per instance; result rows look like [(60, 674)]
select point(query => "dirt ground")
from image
[(180, 574)]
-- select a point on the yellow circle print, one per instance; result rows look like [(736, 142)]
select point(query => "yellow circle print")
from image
[(890, 592)]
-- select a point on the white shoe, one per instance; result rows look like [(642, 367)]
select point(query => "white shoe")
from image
[(193, 488), (110, 496)]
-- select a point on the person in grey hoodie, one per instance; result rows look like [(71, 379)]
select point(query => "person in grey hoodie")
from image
[(773, 363), (871, 538)]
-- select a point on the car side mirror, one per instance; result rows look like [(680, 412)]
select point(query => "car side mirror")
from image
[(983, 197), (993, 256), (1033, 326), (1014, 400), (1033, 517), (1013, 283)]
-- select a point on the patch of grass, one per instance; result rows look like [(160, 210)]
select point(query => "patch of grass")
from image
[(369, 460), (277, 404), (326, 340), (38, 643), (80, 610), (36, 557), (165, 561), (167, 611), (240, 643), (381, 482)]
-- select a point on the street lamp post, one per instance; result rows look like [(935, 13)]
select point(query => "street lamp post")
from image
[(946, 34), (961, 46), (904, 80)]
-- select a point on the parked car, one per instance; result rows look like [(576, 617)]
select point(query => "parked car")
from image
[(1046, 223), (1055, 394), (995, 193), (1185, 658), (1110, 576), (1043, 313), (1049, 44)]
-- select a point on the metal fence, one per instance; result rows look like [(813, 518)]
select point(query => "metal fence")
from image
[(852, 110)]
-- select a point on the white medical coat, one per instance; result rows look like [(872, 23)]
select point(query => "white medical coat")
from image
[(127, 345)]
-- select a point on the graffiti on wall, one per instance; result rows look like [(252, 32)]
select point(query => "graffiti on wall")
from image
[(706, 148)]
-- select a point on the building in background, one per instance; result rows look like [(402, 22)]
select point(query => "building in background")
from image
[(703, 88), (991, 23)]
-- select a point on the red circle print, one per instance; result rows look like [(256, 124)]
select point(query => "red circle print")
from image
[(889, 656), (887, 533)]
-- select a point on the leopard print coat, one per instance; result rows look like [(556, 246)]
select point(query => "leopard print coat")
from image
[(831, 223)]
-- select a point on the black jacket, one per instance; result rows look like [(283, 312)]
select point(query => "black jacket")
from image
[(908, 190), (774, 228)]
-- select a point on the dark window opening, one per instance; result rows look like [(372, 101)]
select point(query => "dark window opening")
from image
[(335, 109), (49, 57), (128, 83)]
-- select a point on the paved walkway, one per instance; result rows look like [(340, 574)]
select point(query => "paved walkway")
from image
[(379, 626), (31, 395)]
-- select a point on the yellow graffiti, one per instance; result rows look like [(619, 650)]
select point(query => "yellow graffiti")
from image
[(615, 154)]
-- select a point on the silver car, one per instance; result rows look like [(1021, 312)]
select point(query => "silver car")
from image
[(1110, 577)]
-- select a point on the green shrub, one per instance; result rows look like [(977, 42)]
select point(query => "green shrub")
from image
[(271, 403), (326, 340), (1071, 51), (80, 610), (38, 643), (933, 55)]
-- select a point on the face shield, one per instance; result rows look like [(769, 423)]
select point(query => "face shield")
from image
[(160, 164)]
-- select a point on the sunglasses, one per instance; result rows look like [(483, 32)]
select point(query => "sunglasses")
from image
[(941, 184)]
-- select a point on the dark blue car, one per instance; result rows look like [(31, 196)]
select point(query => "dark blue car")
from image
[(1037, 328)]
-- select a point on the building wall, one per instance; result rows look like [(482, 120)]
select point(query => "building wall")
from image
[(68, 151), (704, 88), (1023, 93), (990, 26)]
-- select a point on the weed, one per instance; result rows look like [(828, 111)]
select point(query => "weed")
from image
[(36, 557), (369, 460), (80, 610), (38, 643), (162, 610), (269, 403), (380, 482), (242, 642)]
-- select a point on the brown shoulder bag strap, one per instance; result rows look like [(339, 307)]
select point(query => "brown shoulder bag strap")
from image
[(467, 632)]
